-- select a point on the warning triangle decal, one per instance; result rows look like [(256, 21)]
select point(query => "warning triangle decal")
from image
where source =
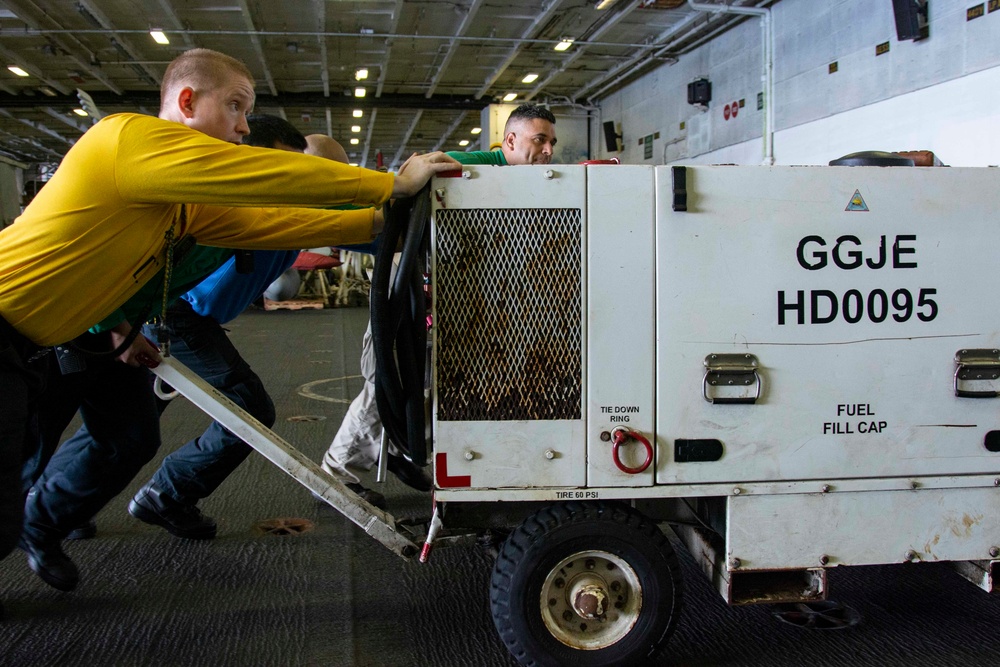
[(857, 202)]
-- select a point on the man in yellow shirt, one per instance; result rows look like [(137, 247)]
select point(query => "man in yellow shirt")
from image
[(130, 187)]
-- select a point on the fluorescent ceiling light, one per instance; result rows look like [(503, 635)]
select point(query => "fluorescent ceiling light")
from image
[(361, 74), (359, 92), (477, 130), (45, 90), (17, 70), (358, 113), (79, 112), (355, 128), (353, 164), (159, 37), (355, 141), (603, 4), (510, 97), (563, 45), (463, 142), (531, 78)]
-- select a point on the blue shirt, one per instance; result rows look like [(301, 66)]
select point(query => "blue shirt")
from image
[(226, 293)]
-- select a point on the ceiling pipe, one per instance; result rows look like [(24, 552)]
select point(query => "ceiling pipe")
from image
[(628, 69), (363, 162), (255, 41), (324, 69), (541, 19), (470, 15), (578, 50), (767, 77), (27, 10), (406, 140), (314, 33), (451, 129), (384, 66), (89, 11)]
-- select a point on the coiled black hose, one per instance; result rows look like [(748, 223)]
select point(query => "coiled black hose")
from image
[(399, 330)]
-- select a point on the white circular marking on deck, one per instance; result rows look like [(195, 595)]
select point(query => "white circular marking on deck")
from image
[(306, 390)]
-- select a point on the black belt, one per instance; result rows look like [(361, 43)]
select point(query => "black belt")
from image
[(27, 350)]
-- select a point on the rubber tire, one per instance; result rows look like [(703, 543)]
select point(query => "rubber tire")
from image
[(558, 531)]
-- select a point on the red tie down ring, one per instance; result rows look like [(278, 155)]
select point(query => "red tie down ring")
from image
[(619, 437)]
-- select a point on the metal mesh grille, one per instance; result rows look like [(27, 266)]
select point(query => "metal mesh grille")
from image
[(508, 314)]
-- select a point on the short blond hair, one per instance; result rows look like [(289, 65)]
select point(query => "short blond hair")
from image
[(201, 69)]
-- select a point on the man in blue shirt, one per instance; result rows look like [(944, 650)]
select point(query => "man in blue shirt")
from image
[(198, 340)]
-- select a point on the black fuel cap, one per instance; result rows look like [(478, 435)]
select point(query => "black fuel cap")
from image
[(872, 159)]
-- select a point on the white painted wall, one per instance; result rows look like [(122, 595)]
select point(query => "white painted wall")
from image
[(940, 94)]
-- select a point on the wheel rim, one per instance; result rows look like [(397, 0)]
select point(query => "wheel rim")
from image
[(591, 600)]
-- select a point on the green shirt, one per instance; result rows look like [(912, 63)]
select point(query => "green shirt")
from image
[(479, 157), (197, 263)]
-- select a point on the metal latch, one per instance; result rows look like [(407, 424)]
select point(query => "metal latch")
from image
[(977, 368), (731, 378)]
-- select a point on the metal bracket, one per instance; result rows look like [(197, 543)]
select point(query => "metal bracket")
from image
[(725, 373), (380, 525), (977, 366)]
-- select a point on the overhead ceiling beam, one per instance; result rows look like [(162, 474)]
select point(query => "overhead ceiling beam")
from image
[(251, 32), (451, 130), (406, 139), (46, 152), (62, 118), (38, 127), (255, 40), (610, 22), (678, 30), (133, 99), (324, 72), (547, 13), (14, 59), (368, 138), (119, 41), (175, 22), (463, 27), (383, 69), (27, 10)]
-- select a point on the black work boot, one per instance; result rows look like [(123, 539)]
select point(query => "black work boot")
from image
[(47, 559), (409, 473), (151, 505)]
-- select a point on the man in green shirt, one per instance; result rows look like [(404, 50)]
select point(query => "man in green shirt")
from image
[(529, 138)]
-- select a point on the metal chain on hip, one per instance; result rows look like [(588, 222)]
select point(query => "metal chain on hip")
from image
[(162, 333)]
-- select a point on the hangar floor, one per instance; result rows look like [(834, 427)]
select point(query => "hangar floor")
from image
[(334, 597)]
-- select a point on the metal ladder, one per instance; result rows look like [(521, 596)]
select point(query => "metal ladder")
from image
[(379, 524)]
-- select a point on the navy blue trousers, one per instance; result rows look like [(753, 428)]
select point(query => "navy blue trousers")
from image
[(21, 382), (121, 433), (196, 469)]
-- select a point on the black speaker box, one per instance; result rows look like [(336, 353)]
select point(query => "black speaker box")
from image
[(700, 91), (911, 19), (611, 137)]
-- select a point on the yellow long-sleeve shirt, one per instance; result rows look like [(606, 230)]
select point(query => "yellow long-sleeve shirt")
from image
[(96, 231)]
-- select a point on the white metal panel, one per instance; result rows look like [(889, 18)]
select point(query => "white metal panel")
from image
[(517, 452), (865, 399), (620, 319), (766, 532)]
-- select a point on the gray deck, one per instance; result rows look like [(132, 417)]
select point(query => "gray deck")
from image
[(334, 597)]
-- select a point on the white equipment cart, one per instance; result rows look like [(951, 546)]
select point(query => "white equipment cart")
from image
[(794, 368)]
